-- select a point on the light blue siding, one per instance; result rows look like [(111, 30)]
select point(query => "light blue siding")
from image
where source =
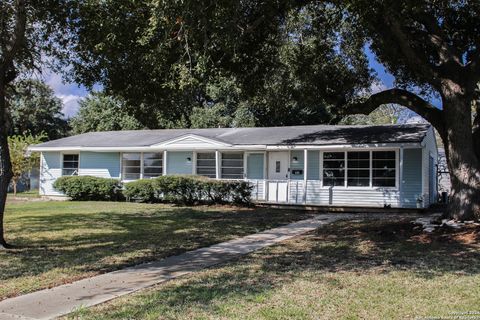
[(296, 165), (412, 177), (177, 162), (313, 163), (50, 170), (100, 164), (255, 166)]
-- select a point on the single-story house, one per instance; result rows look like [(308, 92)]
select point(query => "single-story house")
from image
[(370, 166)]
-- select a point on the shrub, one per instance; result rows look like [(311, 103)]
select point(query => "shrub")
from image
[(144, 190), (85, 188), (181, 189), (188, 190)]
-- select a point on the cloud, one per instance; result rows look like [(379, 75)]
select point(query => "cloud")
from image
[(70, 104), (415, 118), (69, 93), (377, 86)]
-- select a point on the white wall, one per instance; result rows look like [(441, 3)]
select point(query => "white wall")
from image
[(50, 170)]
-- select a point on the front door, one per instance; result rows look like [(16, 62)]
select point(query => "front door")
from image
[(278, 165), (278, 175)]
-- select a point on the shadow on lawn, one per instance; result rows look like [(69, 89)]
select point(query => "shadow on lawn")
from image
[(371, 246), (108, 241)]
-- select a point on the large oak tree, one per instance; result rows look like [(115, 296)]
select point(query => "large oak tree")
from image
[(29, 31), (431, 47)]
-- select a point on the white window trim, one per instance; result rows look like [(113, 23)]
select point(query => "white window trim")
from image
[(195, 165), (141, 164), (243, 164), (370, 187), (61, 162)]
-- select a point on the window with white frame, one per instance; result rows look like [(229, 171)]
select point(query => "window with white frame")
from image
[(70, 165), (131, 166), (152, 164), (232, 165), (360, 168), (206, 164), (334, 169), (384, 168), (142, 165), (358, 172)]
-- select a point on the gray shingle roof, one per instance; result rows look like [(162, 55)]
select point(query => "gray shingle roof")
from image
[(298, 135)]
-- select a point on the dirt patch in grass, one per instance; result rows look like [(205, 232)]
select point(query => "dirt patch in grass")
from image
[(469, 235)]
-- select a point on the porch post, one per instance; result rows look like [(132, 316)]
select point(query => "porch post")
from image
[(164, 163), (305, 174), (217, 165), (400, 177)]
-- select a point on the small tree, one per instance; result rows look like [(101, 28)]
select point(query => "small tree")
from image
[(22, 160)]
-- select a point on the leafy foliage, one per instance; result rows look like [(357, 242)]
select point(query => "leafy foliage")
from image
[(189, 190), (210, 64), (100, 112), (143, 190), (385, 114), (34, 109), (87, 188), (22, 160)]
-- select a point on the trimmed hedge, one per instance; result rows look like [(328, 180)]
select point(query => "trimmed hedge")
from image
[(84, 188), (145, 190), (189, 190), (176, 189)]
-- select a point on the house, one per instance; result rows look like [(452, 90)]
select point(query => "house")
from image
[(370, 166)]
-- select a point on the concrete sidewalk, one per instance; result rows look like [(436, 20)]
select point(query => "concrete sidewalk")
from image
[(58, 301)]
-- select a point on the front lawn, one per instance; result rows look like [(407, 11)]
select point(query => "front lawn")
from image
[(347, 270), (67, 241)]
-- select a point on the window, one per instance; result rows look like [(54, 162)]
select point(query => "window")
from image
[(277, 166), (152, 164), (334, 169), (383, 168), (70, 165), (206, 164), (131, 166), (232, 165), (360, 168), (358, 172)]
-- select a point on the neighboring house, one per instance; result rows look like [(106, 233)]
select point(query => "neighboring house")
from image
[(369, 166)]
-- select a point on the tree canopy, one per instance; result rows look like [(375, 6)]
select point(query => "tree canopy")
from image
[(100, 112), (34, 109), (278, 63)]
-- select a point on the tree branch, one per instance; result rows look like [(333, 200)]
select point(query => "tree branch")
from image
[(412, 56), (446, 53), (18, 36), (401, 97)]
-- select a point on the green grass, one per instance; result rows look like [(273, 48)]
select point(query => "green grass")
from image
[(31, 194), (65, 241), (348, 270)]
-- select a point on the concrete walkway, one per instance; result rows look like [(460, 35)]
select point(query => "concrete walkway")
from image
[(58, 301)]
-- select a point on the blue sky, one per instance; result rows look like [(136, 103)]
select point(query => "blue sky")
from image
[(71, 93)]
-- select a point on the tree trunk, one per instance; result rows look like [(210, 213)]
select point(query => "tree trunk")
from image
[(463, 162), (5, 164), (14, 185)]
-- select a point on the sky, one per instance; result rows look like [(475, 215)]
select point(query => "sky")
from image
[(72, 93), (69, 93)]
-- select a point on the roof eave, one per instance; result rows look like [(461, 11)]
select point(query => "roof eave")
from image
[(231, 147)]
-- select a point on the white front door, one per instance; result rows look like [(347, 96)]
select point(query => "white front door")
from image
[(278, 165), (278, 170)]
